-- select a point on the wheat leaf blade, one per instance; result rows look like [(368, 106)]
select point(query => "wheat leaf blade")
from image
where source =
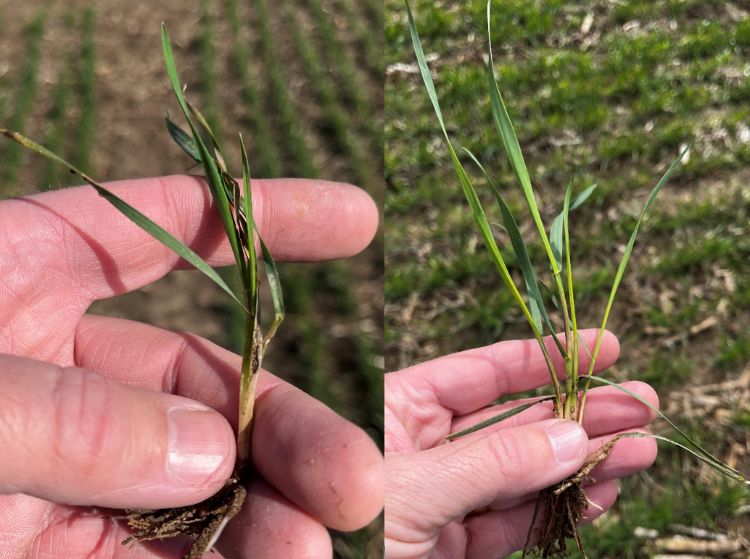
[(478, 214), (621, 271), (504, 127), (497, 418), (213, 174), (718, 466), (699, 448), (251, 281), (274, 285), (571, 296), (145, 223), (536, 303), (556, 229), (182, 139)]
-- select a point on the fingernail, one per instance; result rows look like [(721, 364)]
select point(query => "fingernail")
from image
[(567, 439), (198, 444)]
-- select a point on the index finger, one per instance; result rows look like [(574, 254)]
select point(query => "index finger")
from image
[(105, 254), (466, 381)]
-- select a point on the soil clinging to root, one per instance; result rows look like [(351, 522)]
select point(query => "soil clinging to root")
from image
[(203, 522), (560, 508)]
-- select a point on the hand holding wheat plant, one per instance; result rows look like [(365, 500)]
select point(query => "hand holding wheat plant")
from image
[(87, 404), (105, 412), (475, 497), (563, 503)]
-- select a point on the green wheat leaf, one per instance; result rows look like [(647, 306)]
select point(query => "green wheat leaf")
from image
[(718, 466), (182, 139), (274, 284), (497, 418), (536, 303), (210, 165), (556, 229), (707, 456), (480, 218), (623, 265), (504, 127), (251, 282), (153, 229)]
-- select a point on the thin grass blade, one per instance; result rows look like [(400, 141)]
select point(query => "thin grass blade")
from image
[(556, 229), (718, 466), (699, 449), (251, 281), (571, 373), (274, 285), (504, 127), (203, 121), (210, 165), (182, 139), (567, 208), (228, 184), (152, 228), (497, 419), (621, 271), (536, 303)]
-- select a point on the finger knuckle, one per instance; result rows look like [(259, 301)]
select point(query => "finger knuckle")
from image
[(82, 415), (513, 454)]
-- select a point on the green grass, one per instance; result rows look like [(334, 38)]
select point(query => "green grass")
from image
[(375, 13), (303, 164), (266, 158), (665, 370), (57, 117), (208, 74), (86, 90), (371, 45), (686, 503), (349, 79), (24, 96), (734, 352), (334, 117)]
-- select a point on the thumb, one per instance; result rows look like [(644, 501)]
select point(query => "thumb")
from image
[(73, 436), (427, 490)]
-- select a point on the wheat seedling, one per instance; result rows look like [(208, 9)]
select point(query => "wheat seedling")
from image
[(205, 521), (561, 506)]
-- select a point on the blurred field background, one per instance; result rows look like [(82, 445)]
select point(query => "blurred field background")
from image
[(605, 92), (302, 80)]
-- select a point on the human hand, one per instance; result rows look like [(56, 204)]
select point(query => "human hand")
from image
[(475, 497), (87, 411)]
